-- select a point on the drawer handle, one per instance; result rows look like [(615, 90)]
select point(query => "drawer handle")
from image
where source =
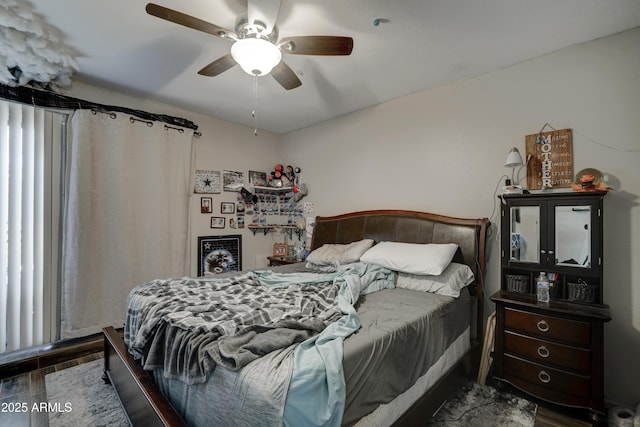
[(543, 351), (543, 326), (544, 377)]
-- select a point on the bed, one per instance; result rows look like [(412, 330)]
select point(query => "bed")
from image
[(385, 381)]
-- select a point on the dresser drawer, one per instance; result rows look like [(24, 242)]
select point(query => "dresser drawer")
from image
[(570, 331), (547, 353), (538, 379)]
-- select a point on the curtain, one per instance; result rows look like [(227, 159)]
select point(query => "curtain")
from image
[(126, 216)]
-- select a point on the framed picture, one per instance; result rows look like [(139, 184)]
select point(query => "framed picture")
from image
[(219, 254), (205, 205), (258, 178), (232, 181), (217, 222), (207, 182), (227, 207), (280, 249)]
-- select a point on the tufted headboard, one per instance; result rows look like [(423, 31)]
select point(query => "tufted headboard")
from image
[(412, 227)]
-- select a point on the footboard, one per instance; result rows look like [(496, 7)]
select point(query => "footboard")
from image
[(138, 394)]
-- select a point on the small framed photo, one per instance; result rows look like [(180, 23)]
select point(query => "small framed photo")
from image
[(205, 205), (227, 207), (280, 249), (217, 222)]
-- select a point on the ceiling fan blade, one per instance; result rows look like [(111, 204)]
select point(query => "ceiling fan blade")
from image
[(265, 11), (285, 76), (317, 45), (187, 21), (218, 66)]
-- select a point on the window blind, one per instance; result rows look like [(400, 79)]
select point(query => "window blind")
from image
[(22, 223)]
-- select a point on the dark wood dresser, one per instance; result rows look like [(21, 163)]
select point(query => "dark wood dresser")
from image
[(553, 350)]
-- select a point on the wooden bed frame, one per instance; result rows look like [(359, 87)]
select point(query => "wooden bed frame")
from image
[(146, 406)]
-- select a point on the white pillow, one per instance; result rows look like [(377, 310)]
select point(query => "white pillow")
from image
[(415, 258), (339, 254), (454, 278)]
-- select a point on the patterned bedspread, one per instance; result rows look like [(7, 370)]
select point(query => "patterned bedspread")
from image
[(230, 322)]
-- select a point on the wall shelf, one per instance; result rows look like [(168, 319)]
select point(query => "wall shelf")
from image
[(264, 189), (266, 228), (275, 210)]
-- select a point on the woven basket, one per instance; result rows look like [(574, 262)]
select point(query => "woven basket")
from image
[(581, 291), (517, 283)]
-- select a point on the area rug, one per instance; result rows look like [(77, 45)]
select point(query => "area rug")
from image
[(78, 397), (483, 406)]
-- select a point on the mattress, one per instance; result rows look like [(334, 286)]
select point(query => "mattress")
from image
[(404, 332), (386, 414)]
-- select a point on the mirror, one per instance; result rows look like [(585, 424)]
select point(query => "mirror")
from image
[(573, 236), (525, 234)]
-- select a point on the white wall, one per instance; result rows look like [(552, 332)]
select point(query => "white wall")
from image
[(443, 151), (222, 146)]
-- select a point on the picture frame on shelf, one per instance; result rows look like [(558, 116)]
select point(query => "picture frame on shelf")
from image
[(219, 254), (227, 207), (206, 204), (217, 222), (280, 249), (258, 178)]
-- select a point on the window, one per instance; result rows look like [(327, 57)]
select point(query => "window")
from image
[(30, 195)]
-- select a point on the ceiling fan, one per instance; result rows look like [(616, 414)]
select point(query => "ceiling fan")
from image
[(256, 46)]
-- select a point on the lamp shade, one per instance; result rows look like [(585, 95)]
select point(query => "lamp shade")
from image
[(513, 158), (257, 57)]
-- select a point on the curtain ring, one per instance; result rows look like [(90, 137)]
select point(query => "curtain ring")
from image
[(167, 127)]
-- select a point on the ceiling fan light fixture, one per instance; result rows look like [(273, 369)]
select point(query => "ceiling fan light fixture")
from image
[(256, 56)]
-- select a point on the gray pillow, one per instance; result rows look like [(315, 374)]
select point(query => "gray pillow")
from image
[(335, 254)]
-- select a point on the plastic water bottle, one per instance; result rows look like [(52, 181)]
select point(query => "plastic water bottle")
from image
[(543, 287)]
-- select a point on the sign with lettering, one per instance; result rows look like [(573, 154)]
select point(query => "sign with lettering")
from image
[(549, 159)]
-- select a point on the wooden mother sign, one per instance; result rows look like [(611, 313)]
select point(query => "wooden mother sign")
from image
[(549, 159)]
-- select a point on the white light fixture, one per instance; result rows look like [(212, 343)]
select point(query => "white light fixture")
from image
[(256, 56), (514, 159)]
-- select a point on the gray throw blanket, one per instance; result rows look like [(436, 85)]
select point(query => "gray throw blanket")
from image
[(188, 326)]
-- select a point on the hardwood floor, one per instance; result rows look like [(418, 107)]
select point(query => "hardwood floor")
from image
[(19, 393), (29, 388), (547, 418)]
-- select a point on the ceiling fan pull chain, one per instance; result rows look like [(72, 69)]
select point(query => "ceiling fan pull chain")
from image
[(255, 105)]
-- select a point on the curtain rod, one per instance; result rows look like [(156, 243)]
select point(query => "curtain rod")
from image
[(43, 98)]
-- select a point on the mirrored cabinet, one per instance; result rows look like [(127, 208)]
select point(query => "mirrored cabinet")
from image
[(553, 350), (558, 233)]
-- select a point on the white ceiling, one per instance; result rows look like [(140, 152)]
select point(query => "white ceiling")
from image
[(419, 44)]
